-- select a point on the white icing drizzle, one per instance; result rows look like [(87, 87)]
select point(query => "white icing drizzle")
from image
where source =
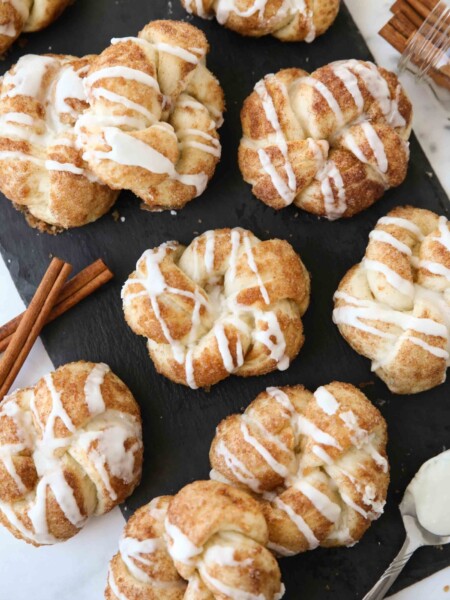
[(253, 266), (403, 224), (193, 55), (286, 191), (239, 470), (114, 587), (124, 101), (299, 522), (350, 81), (379, 235), (276, 466), (225, 7), (322, 454), (308, 428), (133, 553), (334, 207), (323, 90), (326, 400), (28, 75), (282, 398), (122, 72), (180, 547), (321, 502), (398, 282), (358, 435), (199, 9), (376, 146), (277, 348), (63, 83), (375, 143), (92, 389), (358, 310), (133, 152), (308, 14), (228, 591)]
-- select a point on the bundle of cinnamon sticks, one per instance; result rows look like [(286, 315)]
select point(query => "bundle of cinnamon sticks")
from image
[(408, 17), (54, 296)]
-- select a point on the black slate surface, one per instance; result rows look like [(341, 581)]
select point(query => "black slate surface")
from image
[(179, 423)]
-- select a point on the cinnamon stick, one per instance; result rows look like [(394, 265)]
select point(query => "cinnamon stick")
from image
[(402, 6), (394, 38), (32, 322), (74, 291)]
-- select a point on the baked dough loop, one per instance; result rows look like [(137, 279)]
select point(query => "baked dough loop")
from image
[(17, 16), (317, 461), (206, 542), (154, 113), (331, 142), (41, 170), (70, 448), (228, 303), (394, 306), (287, 20)]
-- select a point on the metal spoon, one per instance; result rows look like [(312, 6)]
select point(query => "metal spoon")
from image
[(416, 536)]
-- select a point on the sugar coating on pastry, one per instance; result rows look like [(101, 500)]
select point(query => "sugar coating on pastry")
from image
[(70, 448), (331, 142), (154, 113), (394, 306), (26, 15), (228, 303), (287, 20), (209, 541), (41, 169), (317, 462)]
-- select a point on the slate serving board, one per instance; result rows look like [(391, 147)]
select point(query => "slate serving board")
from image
[(179, 423)]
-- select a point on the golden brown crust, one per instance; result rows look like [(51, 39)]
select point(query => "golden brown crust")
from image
[(318, 463), (42, 171), (71, 448), (228, 303), (27, 15), (393, 307), (285, 20), (331, 143), (154, 114), (212, 534)]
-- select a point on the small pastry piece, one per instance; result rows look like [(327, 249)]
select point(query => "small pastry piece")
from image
[(331, 142), (212, 534), (317, 461), (287, 20), (154, 113), (41, 169), (17, 16), (70, 448), (394, 306), (228, 303)]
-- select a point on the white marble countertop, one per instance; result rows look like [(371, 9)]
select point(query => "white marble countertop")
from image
[(49, 573)]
